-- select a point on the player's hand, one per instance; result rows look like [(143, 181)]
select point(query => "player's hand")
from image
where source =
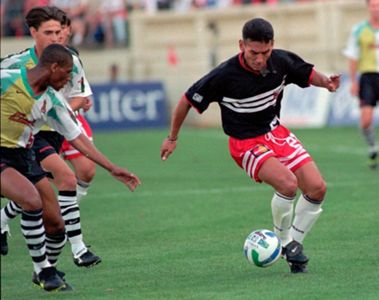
[(334, 82), (129, 179), (87, 104), (168, 146)]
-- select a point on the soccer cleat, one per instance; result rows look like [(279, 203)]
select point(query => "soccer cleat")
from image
[(373, 160), (49, 280), (60, 274), (87, 259), (295, 257), (4, 243)]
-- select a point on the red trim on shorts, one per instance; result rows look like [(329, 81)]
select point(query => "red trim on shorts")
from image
[(250, 154), (45, 148)]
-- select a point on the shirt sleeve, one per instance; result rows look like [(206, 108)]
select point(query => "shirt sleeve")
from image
[(78, 86), (352, 50), (61, 118), (298, 70), (205, 91)]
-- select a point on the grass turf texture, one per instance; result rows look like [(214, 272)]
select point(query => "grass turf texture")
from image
[(180, 235)]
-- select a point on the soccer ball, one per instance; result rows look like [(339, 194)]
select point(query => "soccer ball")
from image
[(262, 248)]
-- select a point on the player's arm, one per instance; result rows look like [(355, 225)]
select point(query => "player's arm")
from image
[(178, 117), (353, 67), (86, 147), (77, 103), (331, 83), (62, 119)]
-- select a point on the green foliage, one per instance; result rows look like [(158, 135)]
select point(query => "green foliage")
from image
[(180, 235)]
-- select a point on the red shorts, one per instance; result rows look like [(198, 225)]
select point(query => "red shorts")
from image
[(250, 154), (67, 150)]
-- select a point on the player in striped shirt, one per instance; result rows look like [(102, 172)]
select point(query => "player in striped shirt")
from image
[(45, 24), (248, 88), (363, 53), (28, 101)]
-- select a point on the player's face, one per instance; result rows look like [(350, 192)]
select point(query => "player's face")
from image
[(65, 35), (373, 7), (256, 54), (60, 75), (48, 33)]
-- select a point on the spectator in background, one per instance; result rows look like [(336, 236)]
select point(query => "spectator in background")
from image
[(114, 15), (77, 11), (13, 19), (29, 4)]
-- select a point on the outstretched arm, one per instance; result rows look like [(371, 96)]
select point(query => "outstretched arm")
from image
[(84, 145), (178, 117), (331, 83)]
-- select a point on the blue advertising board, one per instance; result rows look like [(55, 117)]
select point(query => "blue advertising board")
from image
[(124, 106), (344, 108)]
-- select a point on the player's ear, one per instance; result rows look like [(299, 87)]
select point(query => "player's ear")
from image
[(33, 32), (241, 45), (54, 67)]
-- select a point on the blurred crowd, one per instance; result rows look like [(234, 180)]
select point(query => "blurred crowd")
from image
[(105, 23)]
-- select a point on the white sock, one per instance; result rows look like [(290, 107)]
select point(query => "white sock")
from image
[(81, 190), (282, 212), (71, 215), (307, 212)]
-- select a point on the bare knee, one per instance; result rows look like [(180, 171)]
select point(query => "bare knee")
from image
[(317, 191), (87, 174), (32, 201), (65, 180), (53, 223), (286, 186)]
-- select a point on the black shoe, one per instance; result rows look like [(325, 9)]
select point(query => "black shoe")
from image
[(49, 280), (60, 274), (373, 162), (295, 257), (4, 243), (87, 259)]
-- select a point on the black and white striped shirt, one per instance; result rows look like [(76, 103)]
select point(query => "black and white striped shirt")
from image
[(250, 103)]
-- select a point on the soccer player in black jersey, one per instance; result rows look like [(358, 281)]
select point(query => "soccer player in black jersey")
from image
[(249, 88)]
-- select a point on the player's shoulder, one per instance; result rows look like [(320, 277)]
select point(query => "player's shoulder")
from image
[(360, 26), (15, 60), (8, 78), (284, 55), (10, 74)]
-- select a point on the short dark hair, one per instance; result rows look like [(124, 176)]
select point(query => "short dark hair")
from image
[(40, 14), (258, 30), (56, 53)]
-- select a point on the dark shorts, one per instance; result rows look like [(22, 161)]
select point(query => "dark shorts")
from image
[(47, 143), (23, 160), (369, 89)]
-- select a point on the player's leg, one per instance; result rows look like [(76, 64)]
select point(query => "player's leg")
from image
[(65, 181), (308, 206), (84, 168), (368, 132), (8, 213), (16, 187), (284, 182), (369, 95)]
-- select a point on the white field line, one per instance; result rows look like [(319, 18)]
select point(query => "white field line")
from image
[(241, 189)]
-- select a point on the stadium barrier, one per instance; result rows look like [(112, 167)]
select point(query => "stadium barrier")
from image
[(121, 106), (177, 48)]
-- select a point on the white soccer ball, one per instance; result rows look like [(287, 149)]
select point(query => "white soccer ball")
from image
[(262, 248)]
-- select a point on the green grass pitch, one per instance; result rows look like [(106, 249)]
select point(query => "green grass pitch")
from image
[(180, 234)]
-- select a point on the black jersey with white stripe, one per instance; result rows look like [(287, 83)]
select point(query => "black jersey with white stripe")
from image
[(250, 102)]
